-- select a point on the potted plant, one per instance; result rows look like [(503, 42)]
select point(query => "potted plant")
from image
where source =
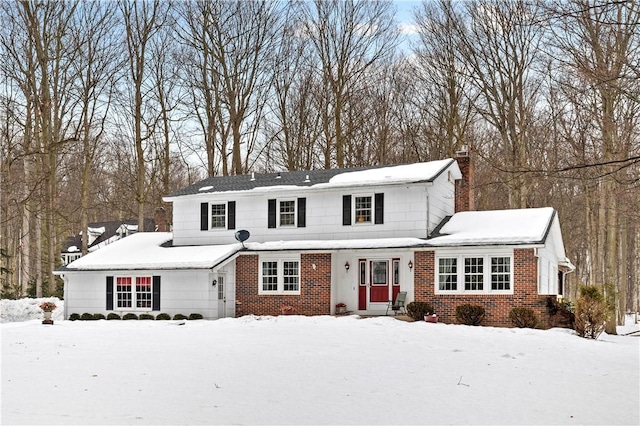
[(47, 308), (341, 308), (286, 310), (431, 318)]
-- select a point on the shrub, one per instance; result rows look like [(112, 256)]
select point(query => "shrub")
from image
[(470, 314), (86, 316), (98, 316), (74, 317), (179, 317), (146, 317), (591, 312), (163, 316), (113, 316), (130, 316), (523, 317), (417, 310), (195, 316)]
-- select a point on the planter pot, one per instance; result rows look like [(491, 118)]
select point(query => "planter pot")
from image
[(431, 318), (47, 317), (341, 310)]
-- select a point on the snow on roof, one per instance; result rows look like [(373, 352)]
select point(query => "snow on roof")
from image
[(145, 250), (394, 174), (98, 231), (377, 243), (322, 179), (521, 226)]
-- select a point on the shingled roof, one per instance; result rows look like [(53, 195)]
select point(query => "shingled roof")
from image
[(307, 178)]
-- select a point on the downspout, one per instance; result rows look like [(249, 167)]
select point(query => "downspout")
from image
[(426, 191)]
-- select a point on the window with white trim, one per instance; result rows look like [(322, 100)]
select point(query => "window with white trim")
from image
[(218, 216), (279, 276), (287, 213), (448, 273), (500, 273), (363, 207), (472, 272), (129, 295)]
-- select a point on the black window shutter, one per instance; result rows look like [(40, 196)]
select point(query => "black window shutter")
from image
[(302, 212), (204, 216), (109, 293), (272, 214), (155, 296), (379, 209), (231, 215), (346, 209)]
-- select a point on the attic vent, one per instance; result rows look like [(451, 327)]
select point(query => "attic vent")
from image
[(253, 176), (279, 176), (306, 179)]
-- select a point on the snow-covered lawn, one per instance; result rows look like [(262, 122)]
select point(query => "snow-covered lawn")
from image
[(310, 370)]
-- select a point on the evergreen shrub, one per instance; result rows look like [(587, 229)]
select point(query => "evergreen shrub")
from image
[(417, 310), (113, 316), (74, 317), (179, 317), (146, 317), (591, 312), (98, 317), (195, 316), (523, 317), (163, 316), (129, 316), (86, 316), (470, 314)]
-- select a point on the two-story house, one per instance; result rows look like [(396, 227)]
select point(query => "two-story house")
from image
[(322, 237)]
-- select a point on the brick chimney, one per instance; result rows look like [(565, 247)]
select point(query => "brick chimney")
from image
[(465, 186), (160, 218)]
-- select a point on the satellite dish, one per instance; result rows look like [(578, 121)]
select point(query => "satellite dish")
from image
[(242, 236)]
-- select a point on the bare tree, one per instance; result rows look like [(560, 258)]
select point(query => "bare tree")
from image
[(348, 37), (142, 21), (231, 46), (599, 41)]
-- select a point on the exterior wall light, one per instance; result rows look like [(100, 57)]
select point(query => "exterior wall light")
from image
[(347, 266), (410, 265)]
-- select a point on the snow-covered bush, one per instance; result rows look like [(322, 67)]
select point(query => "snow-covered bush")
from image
[(146, 317), (113, 316), (163, 316), (130, 316)]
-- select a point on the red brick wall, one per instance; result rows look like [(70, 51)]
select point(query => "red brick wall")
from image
[(315, 288), (525, 293), (464, 188)]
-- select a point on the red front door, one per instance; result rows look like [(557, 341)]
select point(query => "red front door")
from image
[(379, 281)]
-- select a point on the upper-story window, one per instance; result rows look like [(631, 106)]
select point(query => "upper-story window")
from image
[(363, 209), (474, 274), (217, 216), (287, 213)]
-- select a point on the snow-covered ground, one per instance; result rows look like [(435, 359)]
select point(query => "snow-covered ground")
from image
[(309, 370)]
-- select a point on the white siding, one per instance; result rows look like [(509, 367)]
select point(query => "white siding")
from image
[(182, 292), (548, 267), (407, 209)]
